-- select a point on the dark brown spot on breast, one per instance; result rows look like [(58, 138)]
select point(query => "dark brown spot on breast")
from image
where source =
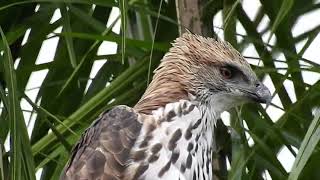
[(164, 169), (140, 170), (145, 142), (153, 158), (138, 155), (189, 161), (194, 175), (174, 138), (191, 107), (197, 137), (203, 175), (196, 149), (183, 168), (170, 115), (184, 105), (190, 146), (203, 160), (156, 148), (195, 126), (174, 157), (150, 128), (188, 133), (208, 165)]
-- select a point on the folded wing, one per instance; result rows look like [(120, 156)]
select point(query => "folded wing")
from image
[(104, 149)]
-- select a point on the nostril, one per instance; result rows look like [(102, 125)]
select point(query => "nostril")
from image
[(257, 84)]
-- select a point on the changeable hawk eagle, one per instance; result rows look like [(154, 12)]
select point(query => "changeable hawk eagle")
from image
[(168, 134)]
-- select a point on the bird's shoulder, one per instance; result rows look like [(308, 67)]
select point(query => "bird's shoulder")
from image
[(103, 150)]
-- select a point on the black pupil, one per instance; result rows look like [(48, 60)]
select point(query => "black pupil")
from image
[(226, 73)]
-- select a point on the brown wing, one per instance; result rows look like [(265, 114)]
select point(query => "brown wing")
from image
[(104, 148)]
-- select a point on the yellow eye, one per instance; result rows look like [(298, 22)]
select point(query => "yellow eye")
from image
[(226, 73)]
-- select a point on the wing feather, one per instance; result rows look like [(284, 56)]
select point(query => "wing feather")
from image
[(104, 149)]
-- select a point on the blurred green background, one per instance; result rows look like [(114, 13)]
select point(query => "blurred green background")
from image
[(63, 62)]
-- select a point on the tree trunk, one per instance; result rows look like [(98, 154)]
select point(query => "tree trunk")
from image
[(190, 17)]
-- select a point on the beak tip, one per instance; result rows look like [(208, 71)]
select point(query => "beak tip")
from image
[(268, 101)]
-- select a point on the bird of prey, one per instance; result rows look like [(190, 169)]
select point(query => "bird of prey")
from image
[(168, 134)]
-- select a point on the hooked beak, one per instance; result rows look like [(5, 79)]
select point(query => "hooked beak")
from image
[(261, 94)]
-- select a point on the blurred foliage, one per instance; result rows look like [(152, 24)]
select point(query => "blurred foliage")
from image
[(64, 108)]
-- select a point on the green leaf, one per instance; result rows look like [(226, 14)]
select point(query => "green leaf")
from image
[(123, 12), (153, 39), (308, 145), (282, 13), (77, 69), (20, 147), (67, 29), (1, 162)]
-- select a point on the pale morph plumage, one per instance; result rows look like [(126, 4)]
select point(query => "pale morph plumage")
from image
[(168, 134)]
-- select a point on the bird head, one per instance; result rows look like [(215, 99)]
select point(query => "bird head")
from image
[(216, 72), (210, 71)]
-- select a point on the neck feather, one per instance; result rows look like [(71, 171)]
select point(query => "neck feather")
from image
[(169, 84)]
